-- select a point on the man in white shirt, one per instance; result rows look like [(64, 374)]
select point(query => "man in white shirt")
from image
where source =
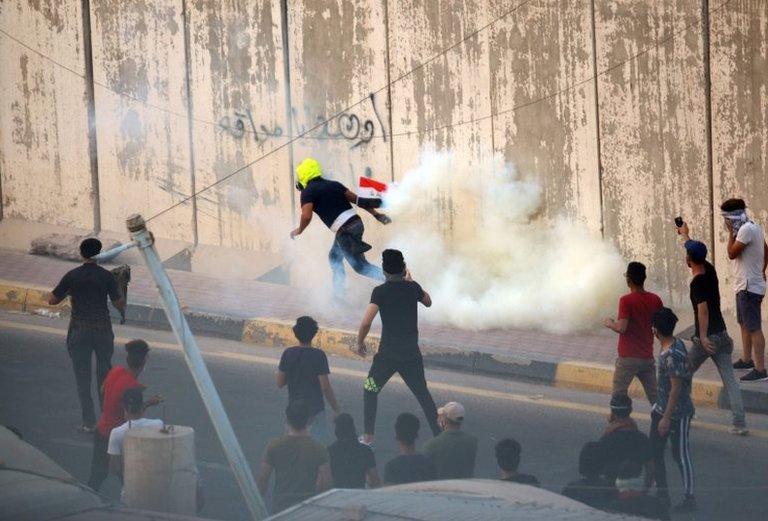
[(133, 403), (749, 252)]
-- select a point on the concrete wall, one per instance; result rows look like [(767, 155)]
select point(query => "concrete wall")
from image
[(138, 51), (239, 108), (624, 152), (739, 42), (44, 167), (653, 131), (434, 106)]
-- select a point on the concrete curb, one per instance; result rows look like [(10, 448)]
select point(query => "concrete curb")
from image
[(276, 333)]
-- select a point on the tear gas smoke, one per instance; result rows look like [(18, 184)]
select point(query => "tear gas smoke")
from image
[(486, 259)]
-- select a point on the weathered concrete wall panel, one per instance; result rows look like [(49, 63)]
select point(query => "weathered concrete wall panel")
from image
[(338, 58), (434, 106), (43, 115), (138, 51), (653, 129), (739, 54), (238, 97), (545, 121)]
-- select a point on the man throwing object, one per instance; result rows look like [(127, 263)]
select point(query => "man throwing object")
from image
[(397, 300), (332, 202)]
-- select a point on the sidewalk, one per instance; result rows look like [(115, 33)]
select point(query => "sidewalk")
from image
[(261, 313)]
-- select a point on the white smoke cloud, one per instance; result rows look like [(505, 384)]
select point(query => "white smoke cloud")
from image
[(487, 261)]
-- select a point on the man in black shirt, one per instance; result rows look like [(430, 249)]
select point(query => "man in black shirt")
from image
[(711, 339), (353, 464), (331, 201), (591, 489), (397, 300), (409, 466), (622, 440), (90, 328), (508, 458), (305, 370)]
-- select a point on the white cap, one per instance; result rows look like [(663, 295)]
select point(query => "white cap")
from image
[(454, 411)]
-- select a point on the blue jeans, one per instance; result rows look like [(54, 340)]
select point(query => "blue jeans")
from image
[(722, 359), (349, 245)]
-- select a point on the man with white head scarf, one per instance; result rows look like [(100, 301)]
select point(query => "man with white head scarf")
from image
[(749, 252)]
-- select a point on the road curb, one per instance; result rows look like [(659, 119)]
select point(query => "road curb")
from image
[(270, 332)]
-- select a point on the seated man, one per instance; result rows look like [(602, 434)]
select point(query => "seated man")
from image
[(300, 463), (591, 489), (133, 407), (623, 441), (508, 458), (409, 466), (453, 451)]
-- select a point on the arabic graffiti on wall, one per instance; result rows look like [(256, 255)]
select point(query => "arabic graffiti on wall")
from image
[(346, 126)]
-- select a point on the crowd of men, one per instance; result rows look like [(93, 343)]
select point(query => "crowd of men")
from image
[(618, 471)]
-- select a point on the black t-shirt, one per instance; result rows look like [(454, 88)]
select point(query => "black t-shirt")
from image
[(705, 288), (409, 468), (88, 286), (595, 492), (622, 445), (327, 197), (398, 302), (302, 367), (350, 461), (524, 479)]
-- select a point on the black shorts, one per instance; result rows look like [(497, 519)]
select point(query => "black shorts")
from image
[(748, 310)]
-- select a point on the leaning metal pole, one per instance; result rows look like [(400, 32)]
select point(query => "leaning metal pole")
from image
[(146, 244)]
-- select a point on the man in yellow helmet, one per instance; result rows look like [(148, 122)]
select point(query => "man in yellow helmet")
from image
[(332, 202)]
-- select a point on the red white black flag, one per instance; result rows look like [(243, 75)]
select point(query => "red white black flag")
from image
[(370, 192)]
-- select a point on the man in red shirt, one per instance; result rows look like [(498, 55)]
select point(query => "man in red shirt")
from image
[(633, 325), (118, 380)]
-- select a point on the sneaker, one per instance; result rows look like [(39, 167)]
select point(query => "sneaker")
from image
[(741, 364), (739, 431), (688, 505), (361, 439), (755, 376), (86, 429)]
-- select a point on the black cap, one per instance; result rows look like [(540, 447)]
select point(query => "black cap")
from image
[(90, 247), (392, 262)]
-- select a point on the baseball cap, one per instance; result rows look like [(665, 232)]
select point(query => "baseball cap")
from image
[(454, 411), (696, 250)]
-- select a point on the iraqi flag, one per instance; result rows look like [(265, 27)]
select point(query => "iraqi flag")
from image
[(370, 192)]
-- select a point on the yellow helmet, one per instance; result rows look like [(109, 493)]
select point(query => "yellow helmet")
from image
[(307, 170)]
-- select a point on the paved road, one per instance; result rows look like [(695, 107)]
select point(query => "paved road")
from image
[(37, 395)]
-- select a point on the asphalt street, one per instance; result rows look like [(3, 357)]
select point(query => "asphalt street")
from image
[(37, 395)]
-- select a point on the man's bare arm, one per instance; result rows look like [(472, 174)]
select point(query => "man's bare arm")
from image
[(262, 481), (365, 326), (324, 479), (116, 464), (281, 379), (372, 477), (325, 385), (426, 300), (304, 219), (617, 326)]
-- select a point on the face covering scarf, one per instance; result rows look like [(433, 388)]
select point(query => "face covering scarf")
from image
[(737, 219)]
